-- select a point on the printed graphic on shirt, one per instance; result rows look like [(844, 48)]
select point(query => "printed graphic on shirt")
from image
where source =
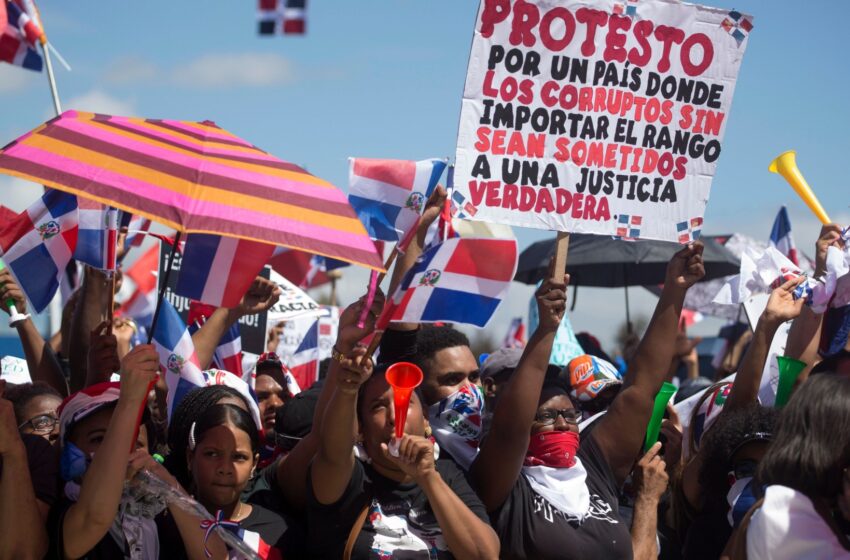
[(599, 509), (400, 528)]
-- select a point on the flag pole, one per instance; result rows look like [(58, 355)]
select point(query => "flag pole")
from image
[(57, 105)]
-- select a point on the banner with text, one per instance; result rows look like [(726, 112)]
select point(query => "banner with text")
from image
[(597, 116)]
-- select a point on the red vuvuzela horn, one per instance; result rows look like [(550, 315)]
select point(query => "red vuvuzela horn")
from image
[(403, 377)]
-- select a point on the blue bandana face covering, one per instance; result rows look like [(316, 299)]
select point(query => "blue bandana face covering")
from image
[(73, 462)]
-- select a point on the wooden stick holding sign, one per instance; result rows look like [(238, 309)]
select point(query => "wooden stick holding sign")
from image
[(562, 247)]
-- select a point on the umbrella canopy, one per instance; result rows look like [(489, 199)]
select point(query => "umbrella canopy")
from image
[(194, 177), (605, 262)]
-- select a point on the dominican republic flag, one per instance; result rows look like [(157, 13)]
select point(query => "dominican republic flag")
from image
[(18, 38), (268, 17), (306, 270), (389, 195), (781, 236), (219, 270), (228, 353), (38, 244), (137, 228), (304, 364), (295, 17), (462, 280), (141, 279), (176, 355), (515, 337), (97, 244)]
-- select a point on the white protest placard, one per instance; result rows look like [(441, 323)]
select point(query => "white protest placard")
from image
[(596, 116), (294, 302), (14, 370)]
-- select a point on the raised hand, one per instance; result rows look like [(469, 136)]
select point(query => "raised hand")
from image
[(354, 371), (9, 289), (415, 456), (261, 296), (348, 333), (103, 353), (650, 474), (686, 267), (139, 369), (830, 236), (781, 306), (552, 301)]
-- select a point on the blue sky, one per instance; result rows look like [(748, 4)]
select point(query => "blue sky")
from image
[(384, 78)]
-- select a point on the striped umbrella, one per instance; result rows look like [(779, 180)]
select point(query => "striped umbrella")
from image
[(194, 177)]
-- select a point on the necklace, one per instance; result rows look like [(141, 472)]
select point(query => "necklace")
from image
[(236, 516)]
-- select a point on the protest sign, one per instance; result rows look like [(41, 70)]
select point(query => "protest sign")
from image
[(14, 370), (596, 116), (295, 330), (252, 328), (294, 302)]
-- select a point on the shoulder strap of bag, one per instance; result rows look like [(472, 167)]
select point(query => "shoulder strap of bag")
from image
[(355, 531)]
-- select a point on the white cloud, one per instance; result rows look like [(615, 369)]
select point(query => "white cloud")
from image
[(130, 70), (235, 70), (98, 101), (14, 79)]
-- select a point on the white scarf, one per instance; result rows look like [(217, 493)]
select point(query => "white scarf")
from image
[(565, 489), (456, 423)]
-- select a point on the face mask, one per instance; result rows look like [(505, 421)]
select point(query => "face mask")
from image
[(552, 449), (73, 463), (456, 423)]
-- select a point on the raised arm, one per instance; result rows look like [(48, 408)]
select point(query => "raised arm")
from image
[(781, 307), (90, 310), (650, 480), (261, 296), (804, 334), (89, 519), (24, 535), (334, 460), (621, 431), (498, 465), (41, 360), (292, 469)]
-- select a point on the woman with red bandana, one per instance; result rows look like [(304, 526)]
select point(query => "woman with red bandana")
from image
[(549, 493)]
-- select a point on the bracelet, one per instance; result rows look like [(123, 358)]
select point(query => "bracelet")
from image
[(336, 355)]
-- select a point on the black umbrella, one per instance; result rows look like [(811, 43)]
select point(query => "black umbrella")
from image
[(604, 262)]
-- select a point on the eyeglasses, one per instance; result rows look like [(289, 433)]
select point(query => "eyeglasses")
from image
[(41, 424), (548, 416)]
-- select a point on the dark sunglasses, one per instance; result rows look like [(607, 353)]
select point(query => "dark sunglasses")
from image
[(548, 416), (42, 424)]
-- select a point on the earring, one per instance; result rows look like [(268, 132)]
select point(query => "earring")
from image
[(428, 432)]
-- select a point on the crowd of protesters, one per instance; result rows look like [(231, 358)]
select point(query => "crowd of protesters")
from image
[(508, 458)]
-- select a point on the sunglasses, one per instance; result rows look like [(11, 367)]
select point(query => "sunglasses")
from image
[(42, 424), (548, 416)]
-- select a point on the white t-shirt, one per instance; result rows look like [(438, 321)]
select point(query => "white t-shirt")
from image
[(787, 526)]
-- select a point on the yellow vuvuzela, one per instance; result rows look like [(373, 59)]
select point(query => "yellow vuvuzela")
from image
[(786, 165)]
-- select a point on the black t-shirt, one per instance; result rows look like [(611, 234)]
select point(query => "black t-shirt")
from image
[(43, 464), (263, 490), (267, 524), (530, 527), (400, 522)]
